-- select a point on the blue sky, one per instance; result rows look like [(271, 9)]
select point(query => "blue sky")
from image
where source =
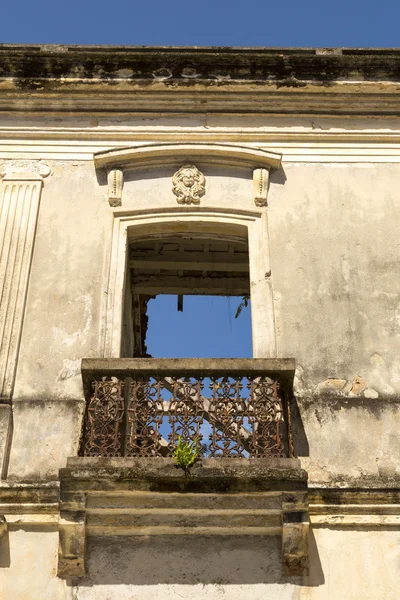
[(218, 22), (206, 328)]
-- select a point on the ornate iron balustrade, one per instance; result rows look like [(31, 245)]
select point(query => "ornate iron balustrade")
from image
[(229, 407)]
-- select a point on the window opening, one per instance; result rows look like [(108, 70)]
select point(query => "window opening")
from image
[(183, 292), (190, 287)]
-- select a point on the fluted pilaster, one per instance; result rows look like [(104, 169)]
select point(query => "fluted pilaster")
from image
[(20, 197)]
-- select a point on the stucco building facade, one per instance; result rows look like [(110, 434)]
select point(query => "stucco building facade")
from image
[(269, 173)]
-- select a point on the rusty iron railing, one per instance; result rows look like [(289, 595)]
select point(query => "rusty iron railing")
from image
[(230, 408)]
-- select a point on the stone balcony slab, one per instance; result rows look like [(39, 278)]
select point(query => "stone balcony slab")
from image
[(154, 496)]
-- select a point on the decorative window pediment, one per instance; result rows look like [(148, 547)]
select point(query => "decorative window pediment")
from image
[(164, 154), (182, 158)]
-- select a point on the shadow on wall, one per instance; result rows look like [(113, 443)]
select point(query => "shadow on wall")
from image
[(5, 558), (232, 560), (278, 176), (300, 441)]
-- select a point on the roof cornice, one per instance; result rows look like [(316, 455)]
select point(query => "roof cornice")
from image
[(119, 79)]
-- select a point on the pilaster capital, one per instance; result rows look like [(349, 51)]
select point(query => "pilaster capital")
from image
[(20, 170)]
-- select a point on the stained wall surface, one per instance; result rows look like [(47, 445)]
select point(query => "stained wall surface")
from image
[(348, 565), (333, 246), (332, 239)]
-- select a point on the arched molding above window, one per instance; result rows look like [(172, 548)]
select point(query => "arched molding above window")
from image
[(153, 155)]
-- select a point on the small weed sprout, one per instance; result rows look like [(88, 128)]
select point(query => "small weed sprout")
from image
[(186, 453)]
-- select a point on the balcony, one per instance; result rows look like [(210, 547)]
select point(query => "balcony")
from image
[(245, 480), (230, 408)]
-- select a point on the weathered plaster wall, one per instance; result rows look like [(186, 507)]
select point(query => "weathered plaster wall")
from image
[(196, 568), (240, 568), (333, 237), (351, 441), (333, 245), (334, 252), (62, 320), (45, 433), (28, 563), (69, 272), (333, 221)]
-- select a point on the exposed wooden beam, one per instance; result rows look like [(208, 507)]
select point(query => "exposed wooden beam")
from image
[(186, 254), (173, 284), (188, 265)]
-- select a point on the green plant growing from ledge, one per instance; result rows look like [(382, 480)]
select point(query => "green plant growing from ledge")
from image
[(186, 453)]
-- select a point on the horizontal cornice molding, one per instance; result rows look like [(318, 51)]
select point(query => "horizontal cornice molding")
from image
[(254, 135), (103, 98), (60, 62), (296, 145)]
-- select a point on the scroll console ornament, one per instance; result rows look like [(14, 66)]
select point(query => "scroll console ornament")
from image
[(260, 182), (189, 185), (115, 184)]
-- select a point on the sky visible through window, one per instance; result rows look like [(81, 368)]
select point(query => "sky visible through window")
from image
[(206, 328)]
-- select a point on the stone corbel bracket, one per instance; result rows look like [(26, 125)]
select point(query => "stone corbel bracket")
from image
[(72, 537), (115, 180), (295, 532), (260, 184)]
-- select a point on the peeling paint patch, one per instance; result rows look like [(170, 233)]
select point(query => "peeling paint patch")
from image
[(69, 339), (387, 468), (376, 359), (190, 73), (70, 368), (124, 73), (332, 384), (358, 386), (371, 393), (162, 74)]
